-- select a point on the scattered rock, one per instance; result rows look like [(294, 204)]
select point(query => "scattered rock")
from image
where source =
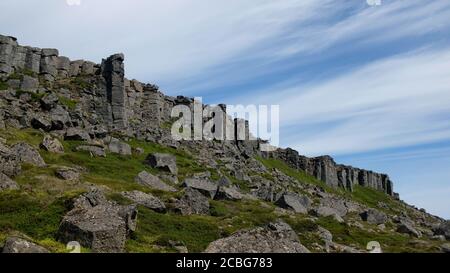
[(68, 174), (77, 134), (295, 202), (19, 245), (118, 147), (145, 199), (445, 248), (274, 238), (407, 228), (147, 179), (7, 183), (52, 145), (49, 101), (324, 234), (41, 122), (164, 162), (192, 202), (443, 229), (28, 154), (10, 164), (206, 187), (228, 193), (96, 151), (373, 216), (29, 84)]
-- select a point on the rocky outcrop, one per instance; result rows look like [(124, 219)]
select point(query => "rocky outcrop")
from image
[(324, 168), (274, 238)]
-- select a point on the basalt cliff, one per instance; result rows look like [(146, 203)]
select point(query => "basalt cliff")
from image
[(87, 156)]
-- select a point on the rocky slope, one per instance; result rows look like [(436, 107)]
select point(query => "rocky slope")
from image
[(87, 155)]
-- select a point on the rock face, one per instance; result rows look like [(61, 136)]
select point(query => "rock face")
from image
[(274, 238), (192, 202), (7, 183), (28, 154), (145, 199), (19, 245), (147, 179), (164, 162), (204, 186), (373, 216), (293, 201), (52, 145), (324, 168), (98, 224)]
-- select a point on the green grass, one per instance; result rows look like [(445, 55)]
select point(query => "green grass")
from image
[(390, 241), (196, 232), (372, 197), (3, 85), (300, 175), (69, 103), (30, 214)]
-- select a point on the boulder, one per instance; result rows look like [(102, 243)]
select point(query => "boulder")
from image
[(147, 179), (373, 216), (339, 205), (145, 199), (98, 224), (49, 101), (41, 122), (192, 202), (228, 193), (28, 154), (204, 186), (323, 211), (52, 145), (68, 174), (19, 245), (10, 164), (77, 134), (273, 238), (59, 118), (96, 151), (443, 229), (118, 147), (295, 202), (324, 234), (407, 228), (445, 248), (7, 183), (164, 162)]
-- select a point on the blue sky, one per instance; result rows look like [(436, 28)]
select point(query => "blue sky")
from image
[(369, 85)]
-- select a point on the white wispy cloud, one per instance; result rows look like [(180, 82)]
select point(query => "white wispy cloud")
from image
[(396, 102)]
